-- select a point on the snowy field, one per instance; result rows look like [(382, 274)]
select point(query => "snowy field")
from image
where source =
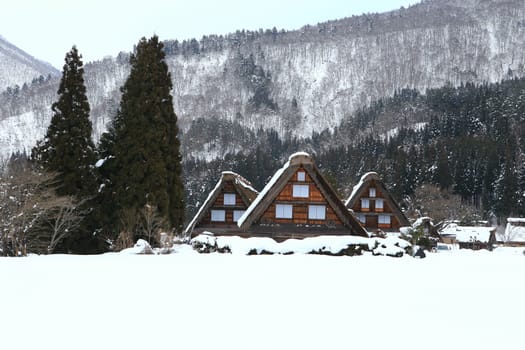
[(451, 300)]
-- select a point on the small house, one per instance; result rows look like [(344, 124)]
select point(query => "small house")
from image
[(514, 234), (298, 202), (470, 237), (225, 204), (374, 206)]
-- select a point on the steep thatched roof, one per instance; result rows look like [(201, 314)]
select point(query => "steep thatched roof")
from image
[(281, 178), (242, 186), (364, 183)]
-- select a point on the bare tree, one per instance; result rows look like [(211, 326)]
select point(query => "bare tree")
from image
[(151, 224), (32, 216), (441, 205), (145, 223)]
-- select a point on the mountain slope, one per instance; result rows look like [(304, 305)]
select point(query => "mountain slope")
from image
[(311, 79), (17, 67)]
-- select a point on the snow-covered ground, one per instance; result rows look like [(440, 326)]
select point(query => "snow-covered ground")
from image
[(451, 300)]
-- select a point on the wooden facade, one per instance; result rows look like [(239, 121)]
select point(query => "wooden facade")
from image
[(297, 203), (224, 206), (374, 206)]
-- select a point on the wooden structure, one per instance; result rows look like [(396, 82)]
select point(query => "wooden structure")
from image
[(514, 235), (298, 202), (224, 206), (474, 237), (374, 206)]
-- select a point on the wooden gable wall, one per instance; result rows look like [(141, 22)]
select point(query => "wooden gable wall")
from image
[(300, 204), (228, 187), (372, 213)]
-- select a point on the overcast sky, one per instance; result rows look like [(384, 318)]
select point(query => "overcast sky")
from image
[(47, 29)]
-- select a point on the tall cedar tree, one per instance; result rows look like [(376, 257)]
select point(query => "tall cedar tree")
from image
[(67, 148), (142, 147)]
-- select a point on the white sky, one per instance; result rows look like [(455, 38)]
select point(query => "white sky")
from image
[(47, 29)]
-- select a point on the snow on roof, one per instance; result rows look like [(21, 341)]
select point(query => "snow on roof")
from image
[(513, 233), (199, 212), (516, 220), (264, 192), (468, 233), (245, 183), (361, 183), (298, 154), (238, 180), (420, 221)]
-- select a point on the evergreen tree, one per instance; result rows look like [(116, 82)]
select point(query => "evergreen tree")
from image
[(143, 150), (67, 148)]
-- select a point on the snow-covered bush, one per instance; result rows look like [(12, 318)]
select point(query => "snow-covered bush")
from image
[(322, 245), (141, 247), (391, 246)]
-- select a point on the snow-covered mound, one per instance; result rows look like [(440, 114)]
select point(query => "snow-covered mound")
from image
[(325, 245), (141, 247)]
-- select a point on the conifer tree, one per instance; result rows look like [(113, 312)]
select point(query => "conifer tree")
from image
[(67, 148), (143, 149)]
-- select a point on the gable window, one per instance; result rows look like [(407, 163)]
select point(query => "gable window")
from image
[(229, 199), (283, 211), (372, 192), (301, 191), (384, 220), (237, 215), (301, 176), (317, 212), (379, 204), (218, 215), (365, 204)]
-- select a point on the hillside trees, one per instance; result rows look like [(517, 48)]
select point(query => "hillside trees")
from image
[(141, 151), (469, 142)]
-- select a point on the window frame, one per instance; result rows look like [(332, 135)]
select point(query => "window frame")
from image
[(383, 216), (301, 191), (283, 211), (363, 201), (230, 196), (238, 213), (372, 192), (382, 206), (316, 209), (301, 176), (215, 212)]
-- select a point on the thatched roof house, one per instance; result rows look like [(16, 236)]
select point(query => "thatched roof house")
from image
[(224, 206), (298, 202), (374, 206)]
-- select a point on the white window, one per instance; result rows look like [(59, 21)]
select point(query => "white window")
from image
[(384, 219), (301, 191), (218, 215), (237, 215), (301, 176), (365, 203), (361, 218), (229, 199), (317, 212), (283, 211), (372, 192), (379, 203)]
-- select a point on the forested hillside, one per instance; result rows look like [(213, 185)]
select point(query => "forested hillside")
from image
[(467, 140), (302, 81)]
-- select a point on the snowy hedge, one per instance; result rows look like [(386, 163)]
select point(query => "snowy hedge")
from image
[(324, 245)]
